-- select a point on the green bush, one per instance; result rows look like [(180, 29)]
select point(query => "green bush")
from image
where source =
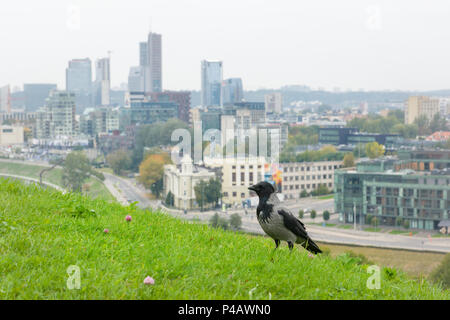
[(301, 213), (326, 215), (406, 224), (313, 214), (359, 257), (235, 221), (442, 273)]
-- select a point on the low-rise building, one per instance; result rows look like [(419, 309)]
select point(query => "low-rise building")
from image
[(181, 179), (238, 174), (11, 135), (415, 187), (298, 177)]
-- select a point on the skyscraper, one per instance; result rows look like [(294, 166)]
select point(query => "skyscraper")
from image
[(211, 74), (147, 77), (35, 95), (154, 62), (5, 99), (102, 83), (79, 81), (136, 79), (232, 91)]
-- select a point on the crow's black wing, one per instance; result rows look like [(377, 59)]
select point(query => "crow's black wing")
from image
[(292, 223), (298, 228)]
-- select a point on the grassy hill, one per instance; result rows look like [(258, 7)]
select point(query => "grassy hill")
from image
[(96, 188), (43, 232)]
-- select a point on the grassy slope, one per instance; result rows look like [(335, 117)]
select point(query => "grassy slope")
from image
[(42, 233), (97, 188)]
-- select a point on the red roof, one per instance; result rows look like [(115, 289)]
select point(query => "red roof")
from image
[(439, 136)]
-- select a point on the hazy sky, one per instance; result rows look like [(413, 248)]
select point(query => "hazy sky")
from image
[(322, 43)]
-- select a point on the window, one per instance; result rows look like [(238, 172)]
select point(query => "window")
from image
[(225, 194), (233, 177), (234, 194), (242, 195)]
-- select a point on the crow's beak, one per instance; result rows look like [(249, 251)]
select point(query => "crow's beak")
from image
[(252, 188)]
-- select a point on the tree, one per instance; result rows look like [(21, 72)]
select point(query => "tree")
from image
[(200, 193), (398, 221), (213, 191), (170, 200), (76, 169), (118, 161), (303, 194), (154, 135), (301, 213), (374, 222), (422, 123), (313, 214), (349, 160), (235, 221), (438, 123), (374, 150), (151, 172), (406, 224), (326, 215)]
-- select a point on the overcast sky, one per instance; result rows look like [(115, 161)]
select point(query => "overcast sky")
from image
[(322, 43)]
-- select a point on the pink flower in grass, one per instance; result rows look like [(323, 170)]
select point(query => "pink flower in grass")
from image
[(311, 256), (149, 280), (128, 218), (106, 231)]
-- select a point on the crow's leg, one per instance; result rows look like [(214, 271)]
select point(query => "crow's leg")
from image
[(291, 245), (277, 243)]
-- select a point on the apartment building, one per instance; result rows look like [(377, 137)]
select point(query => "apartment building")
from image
[(307, 176)]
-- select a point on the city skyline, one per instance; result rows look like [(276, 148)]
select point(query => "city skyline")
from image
[(374, 45)]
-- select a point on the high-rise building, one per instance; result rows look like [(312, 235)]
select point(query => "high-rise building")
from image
[(102, 84), (35, 95), (143, 53), (417, 106), (211, 74), (57, 117), (182, 98), (5, 99), (136, 79), (154, 62), (273, 102), (147, 77), (79, 81), (232, 91)]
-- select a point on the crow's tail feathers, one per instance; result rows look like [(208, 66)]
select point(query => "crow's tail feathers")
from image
[(311, 246)]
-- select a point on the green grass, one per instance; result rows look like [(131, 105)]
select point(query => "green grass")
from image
[(97, 188), (371, 229), (403, 232), (326, 225), (345, 226), (43, 232), (440, 235), (329, 196)]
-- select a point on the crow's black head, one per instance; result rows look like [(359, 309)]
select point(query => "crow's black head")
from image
[(263, 188)]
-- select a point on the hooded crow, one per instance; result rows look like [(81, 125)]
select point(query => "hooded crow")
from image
[(278, 222)]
